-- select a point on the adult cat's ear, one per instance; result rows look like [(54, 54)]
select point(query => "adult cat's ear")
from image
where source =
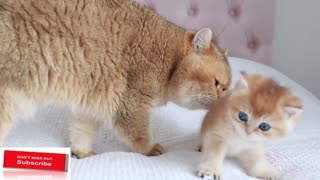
[(292, 112), (202, 39)]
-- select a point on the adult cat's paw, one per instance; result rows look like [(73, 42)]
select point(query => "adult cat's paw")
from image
[(156, 150), (266, 174), (208, 175), (80, 155)]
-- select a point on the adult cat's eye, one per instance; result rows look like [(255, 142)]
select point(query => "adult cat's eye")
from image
[(243, 116), (264, 127)]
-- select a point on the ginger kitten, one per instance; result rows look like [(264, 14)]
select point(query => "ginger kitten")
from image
[(109, 60), (238, 125)]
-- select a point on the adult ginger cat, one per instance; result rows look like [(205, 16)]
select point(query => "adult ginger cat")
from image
[(238, 125), (109, 60)]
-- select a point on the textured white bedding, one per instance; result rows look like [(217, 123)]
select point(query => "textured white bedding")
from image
[(295, 157)]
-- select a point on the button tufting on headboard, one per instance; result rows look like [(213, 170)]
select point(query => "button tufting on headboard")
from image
[(234, 12), (253, 44), (193, 10)]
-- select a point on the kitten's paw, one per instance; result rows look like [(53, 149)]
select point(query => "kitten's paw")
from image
[(80, 155), (208, 175), (156, 150)]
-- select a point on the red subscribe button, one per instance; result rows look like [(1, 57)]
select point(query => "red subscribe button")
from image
[(35, 160)]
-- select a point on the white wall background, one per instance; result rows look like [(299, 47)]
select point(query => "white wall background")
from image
[(296, 50)]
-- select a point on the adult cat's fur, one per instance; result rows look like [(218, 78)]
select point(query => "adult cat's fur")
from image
[(107, 59)]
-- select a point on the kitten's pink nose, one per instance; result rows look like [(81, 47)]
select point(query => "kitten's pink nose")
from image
[(248, 131)]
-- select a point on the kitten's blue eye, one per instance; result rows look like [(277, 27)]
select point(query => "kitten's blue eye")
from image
[(243, 116), (264, 127)]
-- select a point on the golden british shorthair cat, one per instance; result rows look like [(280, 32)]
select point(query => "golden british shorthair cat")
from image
[(238, 125), (109, 60)]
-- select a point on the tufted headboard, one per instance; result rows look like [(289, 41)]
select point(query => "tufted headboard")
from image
[(245, 27)]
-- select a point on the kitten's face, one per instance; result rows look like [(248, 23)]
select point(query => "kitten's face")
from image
[(262, 110), (203, 75)]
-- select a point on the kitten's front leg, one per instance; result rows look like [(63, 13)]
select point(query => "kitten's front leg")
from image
[(256, 164), (214, 151), (132, 122)]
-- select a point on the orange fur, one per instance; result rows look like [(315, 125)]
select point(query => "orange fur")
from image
[(108, 60), (223, 133)]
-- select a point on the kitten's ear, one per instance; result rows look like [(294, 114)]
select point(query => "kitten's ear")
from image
[(225, 51), (292, 112), (242, 85), (202, 39)]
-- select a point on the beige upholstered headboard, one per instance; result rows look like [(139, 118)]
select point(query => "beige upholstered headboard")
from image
[(245, 27)]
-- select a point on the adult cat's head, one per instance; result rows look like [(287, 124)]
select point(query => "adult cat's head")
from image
[(260, 109), (203, 75)]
